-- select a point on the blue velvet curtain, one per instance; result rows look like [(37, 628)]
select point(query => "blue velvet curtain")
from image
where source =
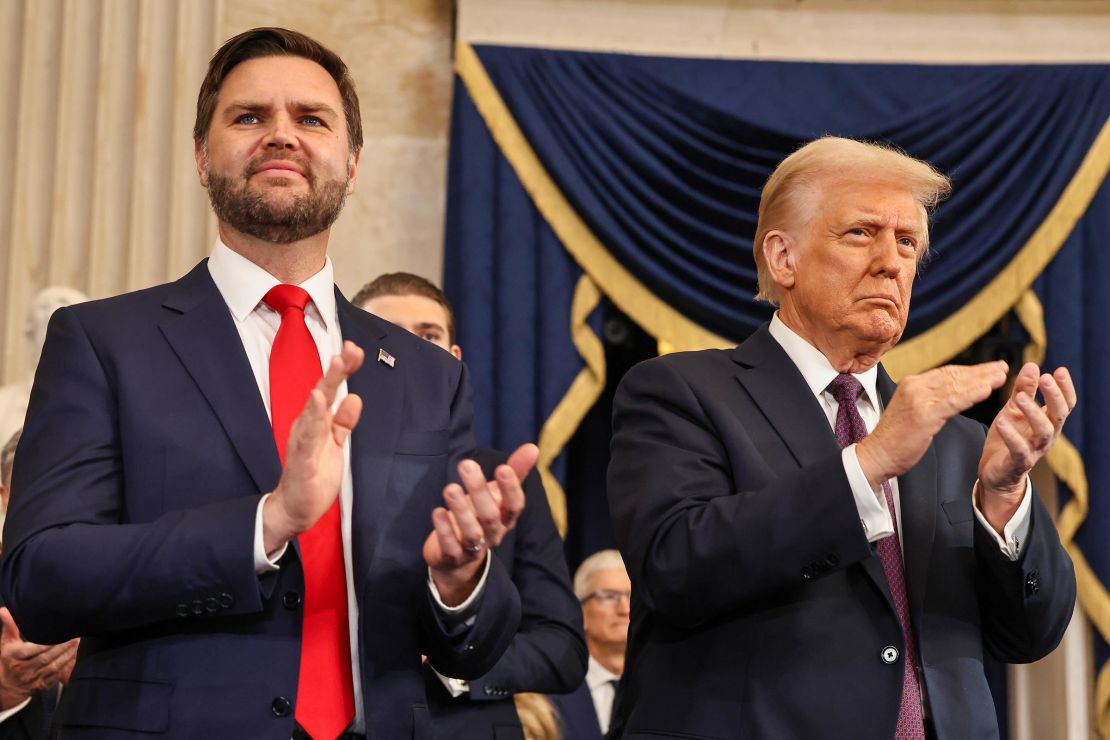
[(663, 159)]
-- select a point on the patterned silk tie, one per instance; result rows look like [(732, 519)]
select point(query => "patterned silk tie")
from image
[(846, 389), (325, 695)]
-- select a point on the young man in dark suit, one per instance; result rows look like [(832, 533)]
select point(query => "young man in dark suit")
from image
[(238, 488), (548, 654)]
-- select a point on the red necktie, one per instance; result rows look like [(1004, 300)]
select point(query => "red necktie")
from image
[(325, 696), (846, 389)]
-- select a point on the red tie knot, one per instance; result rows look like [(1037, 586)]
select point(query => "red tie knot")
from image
[(283, 297), (846, 389)]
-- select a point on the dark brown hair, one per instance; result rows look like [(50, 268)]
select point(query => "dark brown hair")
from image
[(275, 42), (405, 283)]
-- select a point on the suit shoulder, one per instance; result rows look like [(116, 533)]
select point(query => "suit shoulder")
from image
[(692, 365)]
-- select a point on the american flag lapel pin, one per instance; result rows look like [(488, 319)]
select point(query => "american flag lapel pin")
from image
[(385, 357)]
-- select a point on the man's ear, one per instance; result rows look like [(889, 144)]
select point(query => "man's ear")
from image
[(198, 154), (352, 170), (456, 350), (780, 252)]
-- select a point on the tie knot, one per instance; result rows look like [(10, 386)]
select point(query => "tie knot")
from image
[(846, 389), (283, 297)]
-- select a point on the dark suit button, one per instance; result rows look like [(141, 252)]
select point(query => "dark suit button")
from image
[(291, 599), (198, 606), (211, 605), (182, 610), (807, 572), (489, 690), (889, 655), (469, 646), (832, 560), (1032, 583), (280, 706), (226, 600)]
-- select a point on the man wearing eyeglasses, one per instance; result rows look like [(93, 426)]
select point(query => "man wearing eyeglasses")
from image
[(602, 586)]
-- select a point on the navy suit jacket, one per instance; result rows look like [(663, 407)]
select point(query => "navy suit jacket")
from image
[(548, 653), (759, 609), (146, 450)]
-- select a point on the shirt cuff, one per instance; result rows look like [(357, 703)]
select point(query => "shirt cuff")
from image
[(456, 687), (7, 714), (262, 562), (463, 613), (1016, 532), (870, 504)]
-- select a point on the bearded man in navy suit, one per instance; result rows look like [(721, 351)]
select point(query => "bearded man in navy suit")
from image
[(153, 515), (815, 553)]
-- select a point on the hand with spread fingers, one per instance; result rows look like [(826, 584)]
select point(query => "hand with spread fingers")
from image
[(26, 668), (313, 471), (917, 412), (1021, 434), (477, 516)]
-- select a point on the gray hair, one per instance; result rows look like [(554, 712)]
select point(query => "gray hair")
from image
[(599, 561)]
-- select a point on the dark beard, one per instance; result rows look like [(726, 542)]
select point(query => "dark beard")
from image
[(248, 211)]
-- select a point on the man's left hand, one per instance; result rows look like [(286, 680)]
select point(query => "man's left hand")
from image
[(1021, 434), (474, 520)]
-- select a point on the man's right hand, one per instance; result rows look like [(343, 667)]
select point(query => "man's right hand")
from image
[(918, 410), (313, 469), (26, 667)]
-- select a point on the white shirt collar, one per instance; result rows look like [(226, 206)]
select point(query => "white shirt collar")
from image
[(598, 675), (243, 284), (815, 367)]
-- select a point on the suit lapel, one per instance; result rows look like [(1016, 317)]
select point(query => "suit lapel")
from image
[(777, 387), (202, 333), (381, 387), (917, 496)]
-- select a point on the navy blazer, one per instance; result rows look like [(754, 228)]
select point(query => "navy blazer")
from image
[(146, 450), (759, 609), (548, 653)]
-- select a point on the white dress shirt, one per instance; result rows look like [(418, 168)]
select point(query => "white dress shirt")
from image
[(243, 285), (818, 372), (603, 689)]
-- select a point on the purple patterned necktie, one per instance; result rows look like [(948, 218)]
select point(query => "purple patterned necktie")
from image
[(846, 389)]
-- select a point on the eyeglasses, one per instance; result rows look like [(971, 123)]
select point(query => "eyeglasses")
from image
[(608, 597)]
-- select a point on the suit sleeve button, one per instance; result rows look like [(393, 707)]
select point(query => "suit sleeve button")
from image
[(291, 600), (832, 560), (1032, 583), (182, 610), (889, 655), (807, 572), (211, 605), (226, 600), (488, 690), (280, 706), (198, 607)]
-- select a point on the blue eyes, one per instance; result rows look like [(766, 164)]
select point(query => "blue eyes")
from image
[(249, 119)]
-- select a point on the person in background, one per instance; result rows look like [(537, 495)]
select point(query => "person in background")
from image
[(548, 654), (31, 676), (602, 586)]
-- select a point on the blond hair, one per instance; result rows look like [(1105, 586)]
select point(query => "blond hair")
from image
[(602, 560), (538, 717), (790, 193)]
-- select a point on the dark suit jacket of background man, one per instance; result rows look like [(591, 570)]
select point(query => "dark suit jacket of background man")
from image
[(758, 607), (146, 450), (548, 654)]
